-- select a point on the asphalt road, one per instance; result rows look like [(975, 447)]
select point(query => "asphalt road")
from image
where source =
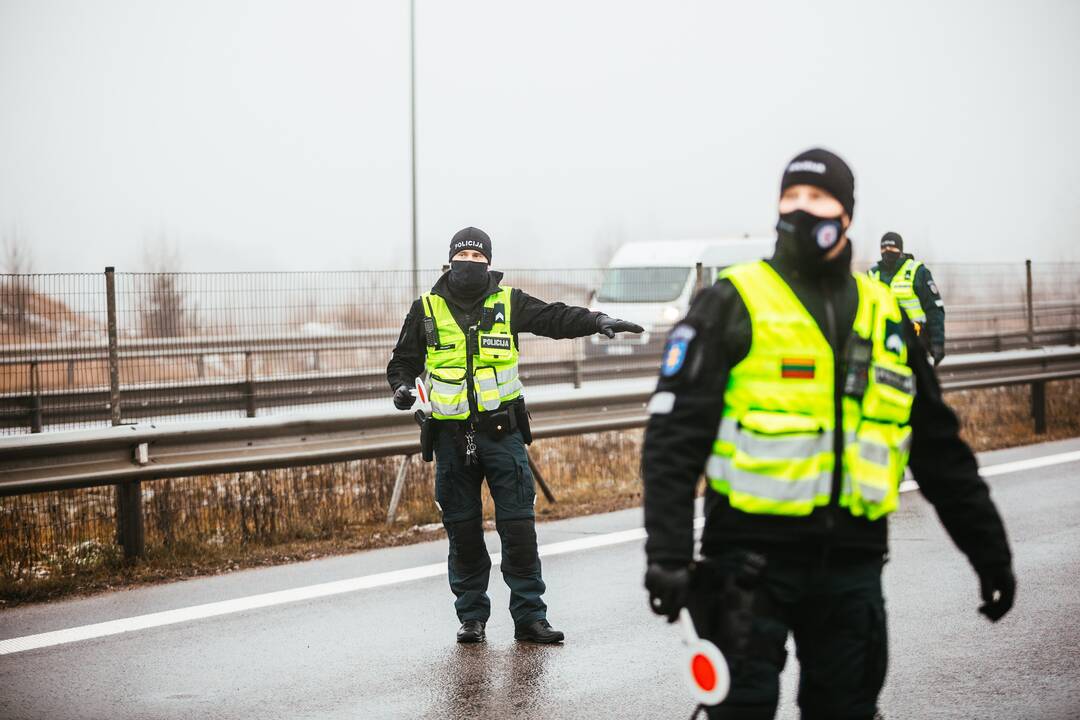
[(388, 651)]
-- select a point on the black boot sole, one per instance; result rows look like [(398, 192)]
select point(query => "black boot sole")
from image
[(539, 641)]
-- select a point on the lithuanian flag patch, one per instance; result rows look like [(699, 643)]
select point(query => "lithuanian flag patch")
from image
[(798, 368)]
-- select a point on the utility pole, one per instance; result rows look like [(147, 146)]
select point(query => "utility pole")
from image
[(412, 142)]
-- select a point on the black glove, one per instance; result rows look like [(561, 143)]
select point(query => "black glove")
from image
[(607, 325), (938, 353), (998, 587), (403, 398), (669, 588)]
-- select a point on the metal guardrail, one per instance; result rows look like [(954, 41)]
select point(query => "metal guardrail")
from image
[(82, 458), (36, 409), (126, 455)]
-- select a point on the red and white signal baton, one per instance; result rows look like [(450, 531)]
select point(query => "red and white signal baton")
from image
[(422, 396), (704, 667)]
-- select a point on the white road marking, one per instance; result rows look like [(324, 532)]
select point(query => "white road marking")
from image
[(393, 577), (1030, 464)]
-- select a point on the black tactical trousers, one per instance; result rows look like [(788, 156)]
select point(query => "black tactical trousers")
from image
[(457, 490), (831, 603)]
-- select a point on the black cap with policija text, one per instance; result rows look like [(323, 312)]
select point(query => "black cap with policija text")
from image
[(471, 239), (892, 240), (825, 170)]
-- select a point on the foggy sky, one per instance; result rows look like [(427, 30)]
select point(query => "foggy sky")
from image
[(274, 135)]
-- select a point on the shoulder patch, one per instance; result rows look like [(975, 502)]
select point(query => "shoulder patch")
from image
[(675, 349), (933, 287)]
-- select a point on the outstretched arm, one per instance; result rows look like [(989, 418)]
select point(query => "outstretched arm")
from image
[(553, 320)]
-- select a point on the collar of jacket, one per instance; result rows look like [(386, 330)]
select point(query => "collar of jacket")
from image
[(904, 257), (442, 289)]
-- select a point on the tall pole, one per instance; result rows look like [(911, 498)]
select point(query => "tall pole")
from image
[(412, 142)]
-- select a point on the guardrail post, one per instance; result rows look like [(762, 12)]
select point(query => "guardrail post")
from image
[(35, 399), (1038, 405), (1030, 307), (129, 516), (130, 519), (249, 384)]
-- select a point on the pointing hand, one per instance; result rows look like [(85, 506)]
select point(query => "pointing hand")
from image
[(607, 325)]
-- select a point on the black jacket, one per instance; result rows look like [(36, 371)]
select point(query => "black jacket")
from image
[(527, 315), (678, 442), (927, 291)]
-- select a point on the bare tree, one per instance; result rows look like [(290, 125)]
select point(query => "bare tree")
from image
[(18, 257), (15, 290), (165, 312)]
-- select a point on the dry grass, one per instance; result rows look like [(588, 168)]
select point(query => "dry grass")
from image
[(1001, 417), (58, 544)]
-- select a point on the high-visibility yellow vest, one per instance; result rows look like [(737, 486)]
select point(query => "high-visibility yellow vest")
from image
[(774, 452), (491, 366), (903, 287)]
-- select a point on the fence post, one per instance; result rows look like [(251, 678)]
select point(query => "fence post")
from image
[(249, 383), (699, 278), (1038, 405), (35, 399), (579, 359), (114, 358), (1030, 307), (129, 516)]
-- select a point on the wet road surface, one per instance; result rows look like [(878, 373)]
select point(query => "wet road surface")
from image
[(388, 652)]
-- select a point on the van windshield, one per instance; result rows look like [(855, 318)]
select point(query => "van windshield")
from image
[(643, 284)]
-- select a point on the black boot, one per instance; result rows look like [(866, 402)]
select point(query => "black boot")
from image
[(539, 631), (471, 631)]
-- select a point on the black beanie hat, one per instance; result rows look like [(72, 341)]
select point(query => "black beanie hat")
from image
[(891, 239), (471, 239), (825, 170)]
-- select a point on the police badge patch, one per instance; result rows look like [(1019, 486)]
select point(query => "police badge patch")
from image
[(674, 356)]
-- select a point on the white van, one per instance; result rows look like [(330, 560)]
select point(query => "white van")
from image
[(651, 283)]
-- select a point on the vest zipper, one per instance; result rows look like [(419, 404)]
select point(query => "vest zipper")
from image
[(838, 408), (470, 386)]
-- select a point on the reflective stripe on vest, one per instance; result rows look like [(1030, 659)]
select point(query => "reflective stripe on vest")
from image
[(774, 449), (903, 287), (494, 362)]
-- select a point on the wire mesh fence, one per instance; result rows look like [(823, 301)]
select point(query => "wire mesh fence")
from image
[(221, 345)]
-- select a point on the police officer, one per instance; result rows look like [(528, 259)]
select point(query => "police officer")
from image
[(464, 335), (916, 291), (794, 385)]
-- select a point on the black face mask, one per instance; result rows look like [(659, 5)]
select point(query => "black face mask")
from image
[(889, 259), (809, 238), (468, 279)]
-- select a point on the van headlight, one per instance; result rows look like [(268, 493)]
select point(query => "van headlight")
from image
[(671, 313)]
